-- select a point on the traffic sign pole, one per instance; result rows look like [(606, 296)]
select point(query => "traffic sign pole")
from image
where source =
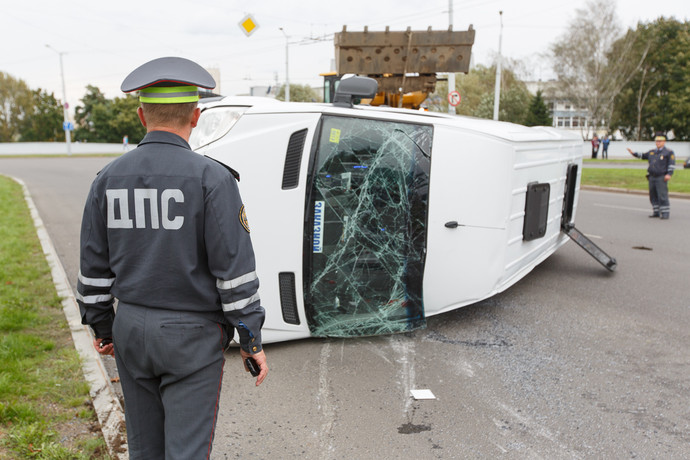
[(68, 134), (451, 87)]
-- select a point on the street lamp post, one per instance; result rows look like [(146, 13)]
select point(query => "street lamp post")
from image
[(287, 78), (497, 87), (68, 134)]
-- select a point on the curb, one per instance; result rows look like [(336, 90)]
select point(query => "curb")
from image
[(597, 188), (105, 403)]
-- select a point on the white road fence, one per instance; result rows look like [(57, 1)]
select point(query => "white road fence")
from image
[(60, 148), (618, 149)]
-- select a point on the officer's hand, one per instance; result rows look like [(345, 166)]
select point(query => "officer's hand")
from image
[(260, 359), (631, 152), (106, 349), (667, 177)]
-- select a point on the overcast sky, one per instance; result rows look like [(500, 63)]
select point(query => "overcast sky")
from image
[(103, 41)]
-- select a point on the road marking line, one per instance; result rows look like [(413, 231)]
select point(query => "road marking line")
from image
[(625, 208), (536, 428), (323, 397), (404, 348)]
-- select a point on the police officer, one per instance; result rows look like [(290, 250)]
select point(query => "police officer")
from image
[(661, 164), (164, 231)]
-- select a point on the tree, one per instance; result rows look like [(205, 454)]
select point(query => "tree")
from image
[(299, 93), (15, 100), (477, 91), (589, 75), (125, 121), (512, 107), (89, 115), (103, 120), (36, 115), (471, 86), (656, 98), (28, 115), (43, 119), (538, 113)]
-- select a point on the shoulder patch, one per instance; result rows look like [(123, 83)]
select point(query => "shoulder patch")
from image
[(243, 219), (234, 173)]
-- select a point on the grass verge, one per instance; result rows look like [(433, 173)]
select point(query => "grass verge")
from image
[(633, 179), (45, 407)]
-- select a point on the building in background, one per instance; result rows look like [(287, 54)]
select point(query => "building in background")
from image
[(215, 73), (564, 113), (264, 91)]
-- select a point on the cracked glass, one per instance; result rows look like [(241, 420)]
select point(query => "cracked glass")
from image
[(369, 200)]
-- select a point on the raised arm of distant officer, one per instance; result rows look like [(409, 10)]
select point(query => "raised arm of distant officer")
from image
[(636, 155)]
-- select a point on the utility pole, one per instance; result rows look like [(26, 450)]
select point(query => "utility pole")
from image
[(451, 75), (65, 122), (287, 78), (497, 91)]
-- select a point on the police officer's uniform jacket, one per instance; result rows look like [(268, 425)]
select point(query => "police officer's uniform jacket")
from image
[(661, 161), (165, 228)]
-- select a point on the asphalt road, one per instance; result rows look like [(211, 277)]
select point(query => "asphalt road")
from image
[(571, 362)]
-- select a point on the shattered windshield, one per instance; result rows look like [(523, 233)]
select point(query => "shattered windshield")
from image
[(369, 203)]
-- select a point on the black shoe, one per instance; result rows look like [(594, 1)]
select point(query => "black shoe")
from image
[(664, 217), (654, 215)]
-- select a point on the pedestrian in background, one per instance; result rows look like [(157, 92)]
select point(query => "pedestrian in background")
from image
[(605, 147), (662, 161), (164, 231), (595, 146)]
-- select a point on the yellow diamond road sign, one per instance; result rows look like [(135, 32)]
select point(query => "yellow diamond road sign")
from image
[(248, 25)]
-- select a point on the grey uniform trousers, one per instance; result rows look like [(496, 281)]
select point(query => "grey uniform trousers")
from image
[(658, 196), (171, 369)]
